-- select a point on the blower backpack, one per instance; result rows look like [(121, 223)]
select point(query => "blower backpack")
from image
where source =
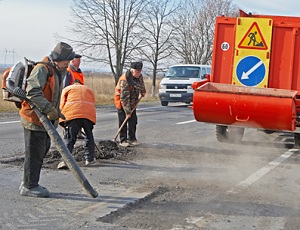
[(18, 75)]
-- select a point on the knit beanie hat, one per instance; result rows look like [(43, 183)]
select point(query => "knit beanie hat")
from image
[(136, 65)]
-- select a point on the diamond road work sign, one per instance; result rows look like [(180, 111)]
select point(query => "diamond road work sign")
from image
[(252, 52)]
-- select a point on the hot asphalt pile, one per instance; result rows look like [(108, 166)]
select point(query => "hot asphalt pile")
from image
[(104, 149)]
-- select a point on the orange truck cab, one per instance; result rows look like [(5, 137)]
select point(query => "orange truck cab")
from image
[(255, 77)]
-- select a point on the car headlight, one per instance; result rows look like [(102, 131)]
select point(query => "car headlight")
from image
[(163, 86)]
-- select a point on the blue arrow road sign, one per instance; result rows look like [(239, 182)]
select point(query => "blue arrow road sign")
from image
[(250, 71)]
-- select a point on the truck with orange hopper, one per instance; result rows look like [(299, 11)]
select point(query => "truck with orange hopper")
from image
[(255, 77)]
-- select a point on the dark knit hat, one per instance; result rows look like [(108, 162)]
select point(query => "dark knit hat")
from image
[(77, 56), (62, 52), (136, 65)]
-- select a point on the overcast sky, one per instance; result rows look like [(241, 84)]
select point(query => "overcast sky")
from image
[(28, 26), (271, 7)]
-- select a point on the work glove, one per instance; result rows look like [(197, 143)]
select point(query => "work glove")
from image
[(53, 114)]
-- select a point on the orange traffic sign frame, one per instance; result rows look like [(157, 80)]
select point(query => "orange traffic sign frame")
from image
[(252, 51)]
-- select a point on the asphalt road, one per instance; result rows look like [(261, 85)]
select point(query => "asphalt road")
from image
[(180, 178)]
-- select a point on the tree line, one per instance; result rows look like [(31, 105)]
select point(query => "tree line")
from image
[(158, 32)]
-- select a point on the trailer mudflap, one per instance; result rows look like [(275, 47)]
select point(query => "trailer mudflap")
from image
[(226, 104)]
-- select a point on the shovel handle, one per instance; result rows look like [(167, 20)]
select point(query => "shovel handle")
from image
[(96, 146)]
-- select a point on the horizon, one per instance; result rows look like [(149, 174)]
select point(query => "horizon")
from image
[(3, 67)]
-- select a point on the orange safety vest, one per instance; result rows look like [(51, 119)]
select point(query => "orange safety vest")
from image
[(117, 94), (5, 75), (77, 101), (75, 75), (26, 111)]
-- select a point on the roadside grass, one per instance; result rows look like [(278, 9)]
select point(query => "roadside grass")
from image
[(103, 85)]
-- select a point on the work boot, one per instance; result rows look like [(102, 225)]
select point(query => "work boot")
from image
[(88, 163), (134, 143), (38, 191), (124, 144), (62, 165)]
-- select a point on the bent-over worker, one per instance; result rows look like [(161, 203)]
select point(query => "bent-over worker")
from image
[(78, 106)]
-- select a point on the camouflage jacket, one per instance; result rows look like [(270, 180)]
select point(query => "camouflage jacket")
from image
[(128, 90)]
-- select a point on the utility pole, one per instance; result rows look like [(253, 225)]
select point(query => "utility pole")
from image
[(11, 53), (5, 51)]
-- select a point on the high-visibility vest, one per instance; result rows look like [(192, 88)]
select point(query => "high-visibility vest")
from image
[(26, 111), (117, 94), (75, 75), (77, 101)]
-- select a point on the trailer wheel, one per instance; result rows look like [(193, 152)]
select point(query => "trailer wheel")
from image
[(268, 131), (297, 140), (229, 134)]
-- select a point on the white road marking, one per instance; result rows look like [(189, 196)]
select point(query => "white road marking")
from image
[(273, 222), (185, 122), (263, 171), (147, 108), (8, 122)]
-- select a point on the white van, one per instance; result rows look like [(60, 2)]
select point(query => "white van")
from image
[(176, 86)]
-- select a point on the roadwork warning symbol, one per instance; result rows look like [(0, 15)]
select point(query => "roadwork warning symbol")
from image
[(253, 39)]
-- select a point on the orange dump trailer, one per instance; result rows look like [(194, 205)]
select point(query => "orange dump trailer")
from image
[(255, 77)]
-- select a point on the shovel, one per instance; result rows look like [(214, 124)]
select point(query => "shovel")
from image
[(125, 121), (59, 143), (96, 146)]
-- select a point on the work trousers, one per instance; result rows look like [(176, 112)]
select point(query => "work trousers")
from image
[(71, 132), (37, 145), (130, 126)]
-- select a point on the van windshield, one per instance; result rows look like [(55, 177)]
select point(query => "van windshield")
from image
[(183, 72)]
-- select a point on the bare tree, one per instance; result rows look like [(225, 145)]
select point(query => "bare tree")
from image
[(105, 30), (157, 30), (195, 29)]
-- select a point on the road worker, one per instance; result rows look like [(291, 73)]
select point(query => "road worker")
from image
[(128, 89), (78, 106), (44, 91), (74, 72)]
